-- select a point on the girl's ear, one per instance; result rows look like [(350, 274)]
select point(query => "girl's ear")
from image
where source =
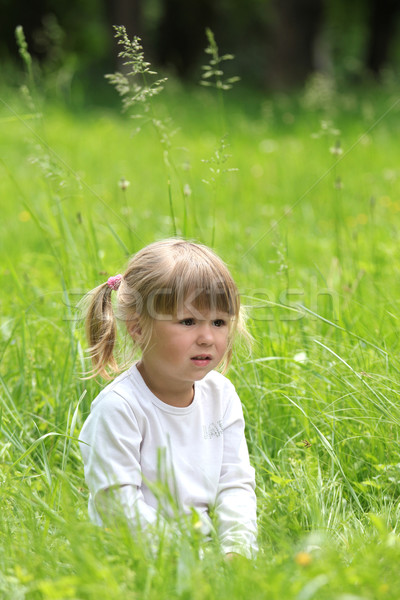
[(134, 329)]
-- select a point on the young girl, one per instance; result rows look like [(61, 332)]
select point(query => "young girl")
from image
[(170, 422)]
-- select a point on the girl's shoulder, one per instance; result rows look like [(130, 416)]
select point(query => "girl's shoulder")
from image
[(125, 389), (215, 382), (218, 393)]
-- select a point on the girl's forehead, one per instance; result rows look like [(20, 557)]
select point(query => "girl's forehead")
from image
[(203, 314)]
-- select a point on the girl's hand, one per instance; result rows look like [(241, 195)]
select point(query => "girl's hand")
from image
[(231, 556)]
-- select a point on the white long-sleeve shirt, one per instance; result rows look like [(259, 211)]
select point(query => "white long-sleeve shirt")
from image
[(132, 441)]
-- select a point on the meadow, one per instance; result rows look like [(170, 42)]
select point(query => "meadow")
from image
[(299, 193)]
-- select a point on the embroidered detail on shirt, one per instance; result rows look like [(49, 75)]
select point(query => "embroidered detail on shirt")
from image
[(212, 430)]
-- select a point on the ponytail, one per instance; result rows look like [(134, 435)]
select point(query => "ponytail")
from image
[(101, 331)]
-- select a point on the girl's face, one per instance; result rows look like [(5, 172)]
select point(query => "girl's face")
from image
[(182, 350)]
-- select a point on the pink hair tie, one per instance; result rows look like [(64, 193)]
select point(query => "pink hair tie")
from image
[(114, 282)]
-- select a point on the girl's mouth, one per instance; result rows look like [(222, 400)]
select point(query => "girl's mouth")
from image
[(202, 360)]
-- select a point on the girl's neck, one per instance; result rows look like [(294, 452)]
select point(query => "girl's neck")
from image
[(180, 396)]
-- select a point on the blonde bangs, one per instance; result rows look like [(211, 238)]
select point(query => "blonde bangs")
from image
[(196, 285)]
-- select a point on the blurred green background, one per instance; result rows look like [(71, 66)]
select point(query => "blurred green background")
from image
[(293, 176), (277, 43)]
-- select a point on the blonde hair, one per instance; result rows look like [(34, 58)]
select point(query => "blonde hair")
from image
[(161, 280)]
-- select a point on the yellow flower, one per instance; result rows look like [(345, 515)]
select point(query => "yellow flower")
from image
[(24, 216), (303, 559)]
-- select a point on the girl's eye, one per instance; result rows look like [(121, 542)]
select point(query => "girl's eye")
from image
[(187, 322), (219, 323)]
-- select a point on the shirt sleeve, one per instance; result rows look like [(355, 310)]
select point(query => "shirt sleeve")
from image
[(236, 500), (110, 446)]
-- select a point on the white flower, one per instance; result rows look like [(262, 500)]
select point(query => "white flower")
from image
[(300, 357), (336, 150), (124, 183)]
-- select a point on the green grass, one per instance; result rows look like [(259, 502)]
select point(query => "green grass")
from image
[(314, 248)]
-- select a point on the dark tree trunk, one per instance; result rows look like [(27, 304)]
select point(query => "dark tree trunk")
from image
[(181, 36), (381, 32), (297, 24)]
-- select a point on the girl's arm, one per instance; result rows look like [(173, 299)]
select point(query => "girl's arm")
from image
[(110, 446), (236, 500)]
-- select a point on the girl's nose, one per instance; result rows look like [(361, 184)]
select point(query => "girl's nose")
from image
[(205, 335)]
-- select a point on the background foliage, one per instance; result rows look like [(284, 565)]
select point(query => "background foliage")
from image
[(278, 43), (300, 195)]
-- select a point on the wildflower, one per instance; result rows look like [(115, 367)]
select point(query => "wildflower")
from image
[(338, 183), (385, 201), (186, 190), (336, 150), (303, 559), (300, 357), (197, 525), (124, 183), (362, 219), (24, 216)]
